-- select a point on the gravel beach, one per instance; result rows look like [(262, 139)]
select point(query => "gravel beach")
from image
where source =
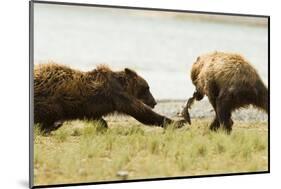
[(203, 109)]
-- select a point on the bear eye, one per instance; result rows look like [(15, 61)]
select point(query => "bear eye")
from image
[(143, 91)]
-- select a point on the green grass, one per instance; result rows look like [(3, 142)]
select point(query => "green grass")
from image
[(83, 151)]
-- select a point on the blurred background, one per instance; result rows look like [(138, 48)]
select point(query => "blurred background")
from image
[(160, 46)]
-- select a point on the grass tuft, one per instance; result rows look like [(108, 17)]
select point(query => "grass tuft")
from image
[(61, 135)]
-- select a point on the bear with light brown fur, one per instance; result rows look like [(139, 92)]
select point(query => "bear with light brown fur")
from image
[(230, 82), (62, 93)]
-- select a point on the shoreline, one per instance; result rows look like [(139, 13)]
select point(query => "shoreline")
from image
[(203, 109)]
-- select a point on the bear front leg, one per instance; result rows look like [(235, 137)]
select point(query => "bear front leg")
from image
[(215, 123), (141, 112)]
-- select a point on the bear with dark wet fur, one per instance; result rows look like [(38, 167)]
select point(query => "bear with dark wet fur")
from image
[(230, 82), (62, 93)]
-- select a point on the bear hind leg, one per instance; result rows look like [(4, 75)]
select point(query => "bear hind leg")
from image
[(103, 123), (215, 125), (224, 108), (47, 128), (213, 89)]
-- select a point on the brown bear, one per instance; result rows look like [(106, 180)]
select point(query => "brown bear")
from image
[(230, 82), (62, 93)]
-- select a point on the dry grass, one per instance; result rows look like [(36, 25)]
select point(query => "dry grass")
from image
[(82, 151)]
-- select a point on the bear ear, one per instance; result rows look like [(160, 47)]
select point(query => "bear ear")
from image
[(130, 72)]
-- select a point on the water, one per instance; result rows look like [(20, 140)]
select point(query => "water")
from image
[(159, 46)]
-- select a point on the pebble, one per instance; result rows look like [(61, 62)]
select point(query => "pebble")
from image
[(122, 174), (203, 109)]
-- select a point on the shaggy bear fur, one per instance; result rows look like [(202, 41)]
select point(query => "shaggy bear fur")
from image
[(61, 93), (229, 82)]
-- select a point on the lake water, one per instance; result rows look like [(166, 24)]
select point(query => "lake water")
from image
[(159, 46)]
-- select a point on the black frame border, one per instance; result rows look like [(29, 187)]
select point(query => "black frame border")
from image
[(31, 113)]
